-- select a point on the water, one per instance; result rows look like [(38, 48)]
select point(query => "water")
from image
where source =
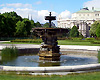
[(65, 60)]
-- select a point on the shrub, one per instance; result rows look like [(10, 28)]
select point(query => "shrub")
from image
[(27, 40), (99, 56), (89, 39), (95, 42)]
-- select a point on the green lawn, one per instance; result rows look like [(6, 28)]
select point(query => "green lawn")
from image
[(84, 76), (61, 42), (74, 42)]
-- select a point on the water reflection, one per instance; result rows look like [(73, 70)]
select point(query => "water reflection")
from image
[(33, 61)]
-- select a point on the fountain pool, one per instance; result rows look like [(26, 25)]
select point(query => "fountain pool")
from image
[(65, 60)]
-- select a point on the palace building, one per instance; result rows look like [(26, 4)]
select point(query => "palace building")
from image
[(82, 19)]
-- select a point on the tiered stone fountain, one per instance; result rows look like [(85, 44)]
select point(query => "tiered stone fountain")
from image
[(49, 49)]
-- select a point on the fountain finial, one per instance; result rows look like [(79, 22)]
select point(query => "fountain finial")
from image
[(50, 18)]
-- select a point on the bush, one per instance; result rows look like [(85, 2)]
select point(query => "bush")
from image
[(99, 56), (95, 42), (27, 40), (90, 39)]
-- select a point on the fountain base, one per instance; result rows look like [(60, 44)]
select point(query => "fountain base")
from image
[(49, 52)]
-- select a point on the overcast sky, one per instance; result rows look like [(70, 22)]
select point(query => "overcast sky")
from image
[(39, 8)]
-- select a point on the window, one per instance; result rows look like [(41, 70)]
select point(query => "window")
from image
[(96, 14), (78, 26)]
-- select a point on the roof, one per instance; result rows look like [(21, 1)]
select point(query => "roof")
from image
[(86, 10)]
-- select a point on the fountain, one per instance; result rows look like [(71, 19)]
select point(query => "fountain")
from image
[(49, 49), (53, 62)]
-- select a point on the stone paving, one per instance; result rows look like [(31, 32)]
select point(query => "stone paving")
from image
[(65, 47)]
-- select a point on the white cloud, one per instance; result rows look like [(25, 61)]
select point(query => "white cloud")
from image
[(19, 5), (42, 14), (5, 9), (92, 3), (24, 12), (65, 14), (38, 2)]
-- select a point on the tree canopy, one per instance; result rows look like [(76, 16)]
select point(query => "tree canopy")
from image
[(13, 25), (98, 31), (93, 28), (74, 32)]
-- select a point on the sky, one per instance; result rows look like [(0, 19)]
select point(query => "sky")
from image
[(40, 8)]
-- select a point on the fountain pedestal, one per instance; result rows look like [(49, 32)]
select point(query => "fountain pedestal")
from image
[(49, 49)]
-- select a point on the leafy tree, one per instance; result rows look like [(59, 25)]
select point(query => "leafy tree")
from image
[(32, 24), (28, 26), (46, 25), (8, 22), (98, 31), (12, 15), (93, 28), (20, 30), (2, 18), (74, 32), (23, 28), (6, 26), (37, 24)]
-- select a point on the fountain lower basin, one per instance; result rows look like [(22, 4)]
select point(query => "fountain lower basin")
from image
[(65, 60)]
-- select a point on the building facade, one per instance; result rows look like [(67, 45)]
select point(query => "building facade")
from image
[(82, 19)]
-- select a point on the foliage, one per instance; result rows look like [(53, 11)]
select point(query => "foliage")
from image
[(46, 25), (37, 24), (32, 23), (8, 23), (98, 56), (13, 25), (74, 32), (98, 31), (62, 41), (23, 28), (9, 53), (27, 40), (93, 28)]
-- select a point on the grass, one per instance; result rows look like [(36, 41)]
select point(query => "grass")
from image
[(73, 41), (82, 76), (9, 53)]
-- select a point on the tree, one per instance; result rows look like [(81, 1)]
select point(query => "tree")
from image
[(37, 24), (32, 24), (98, 31), (20, 30), (23, 28), (93, 28), (8, 22), (74, 32), (46, 25)]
